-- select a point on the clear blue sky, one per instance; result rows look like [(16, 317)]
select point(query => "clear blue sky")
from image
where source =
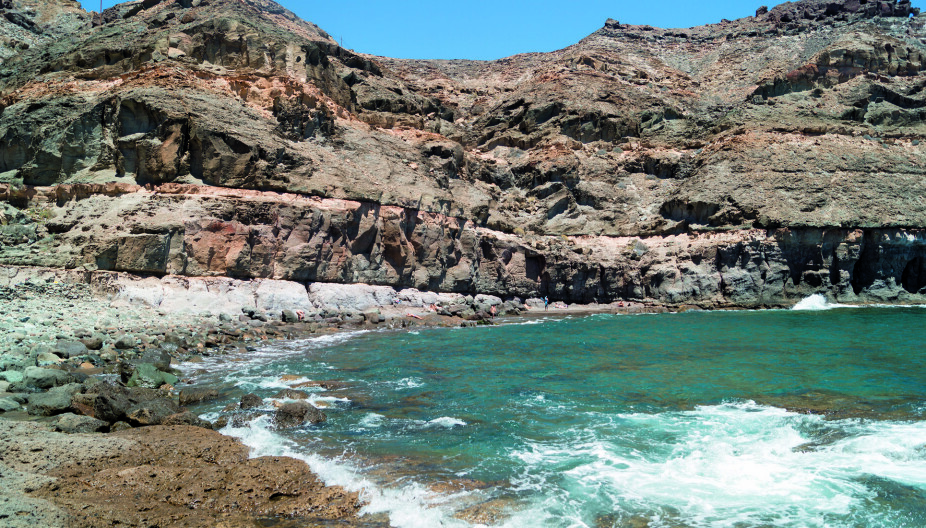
[(482, 29)]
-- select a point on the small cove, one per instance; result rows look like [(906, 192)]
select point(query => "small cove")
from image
[(771, 418)]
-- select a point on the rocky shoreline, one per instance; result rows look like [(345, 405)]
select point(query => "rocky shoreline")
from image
[(193, 178), (88, 363), (88, 359)]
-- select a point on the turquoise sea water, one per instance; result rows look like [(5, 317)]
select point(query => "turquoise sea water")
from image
[(707, 419)]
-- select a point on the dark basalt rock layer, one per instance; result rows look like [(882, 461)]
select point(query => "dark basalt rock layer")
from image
[(745, 163)]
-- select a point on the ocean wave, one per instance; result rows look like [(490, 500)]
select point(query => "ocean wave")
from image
[(446, 421), (315, 399), (372, 421), (726, 465), (259, 382), (817, 302), (408, 505), (524, 322)]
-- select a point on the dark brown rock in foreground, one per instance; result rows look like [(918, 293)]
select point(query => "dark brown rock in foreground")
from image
[(162, 476)]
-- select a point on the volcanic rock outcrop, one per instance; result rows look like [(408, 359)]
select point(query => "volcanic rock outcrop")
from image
[(745, 163)]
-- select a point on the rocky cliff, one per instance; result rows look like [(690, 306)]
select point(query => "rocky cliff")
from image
[(746, 163)]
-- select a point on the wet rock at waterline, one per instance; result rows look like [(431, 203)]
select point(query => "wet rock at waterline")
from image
[(298, 413), (291, 394), (146, 375), (190, 396), (250, 401)]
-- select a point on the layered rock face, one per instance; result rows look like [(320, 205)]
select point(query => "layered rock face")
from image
[(746, 163)]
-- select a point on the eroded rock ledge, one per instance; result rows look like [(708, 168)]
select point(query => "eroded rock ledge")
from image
[(196, 231), (744, 163)]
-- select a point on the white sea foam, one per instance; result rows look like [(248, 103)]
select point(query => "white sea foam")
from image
[(735, 464), (269, 352), (526, 322), (817, 302), (252, 383), (319, 400), (372, 421), (446, 421), (725, 465), (408, 505), (316, 398), (409, 383)]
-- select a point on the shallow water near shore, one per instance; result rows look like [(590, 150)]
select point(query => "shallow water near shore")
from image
[(809, 418)]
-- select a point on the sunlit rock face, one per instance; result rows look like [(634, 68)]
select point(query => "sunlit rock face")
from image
[(748, 163)]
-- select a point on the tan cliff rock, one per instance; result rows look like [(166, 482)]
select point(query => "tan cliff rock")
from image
[(745, 163)]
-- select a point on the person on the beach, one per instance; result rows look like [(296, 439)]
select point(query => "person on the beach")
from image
[(546, 302), (492, 311)]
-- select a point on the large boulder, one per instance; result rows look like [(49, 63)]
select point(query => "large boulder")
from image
[(70, 349), (291, 394), (350, 297), (275, 295), (55, 401), (43, 378), (298, 413), (113, 403), (159, 358), (104, 401), (145, 375), (8, 404), (487, 300), (251, 401), (125, 342), (197, 394), (94, 342), (12, 376), (413, 297), (152, 412), (74, 423), (186, 418), (47, 359)]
